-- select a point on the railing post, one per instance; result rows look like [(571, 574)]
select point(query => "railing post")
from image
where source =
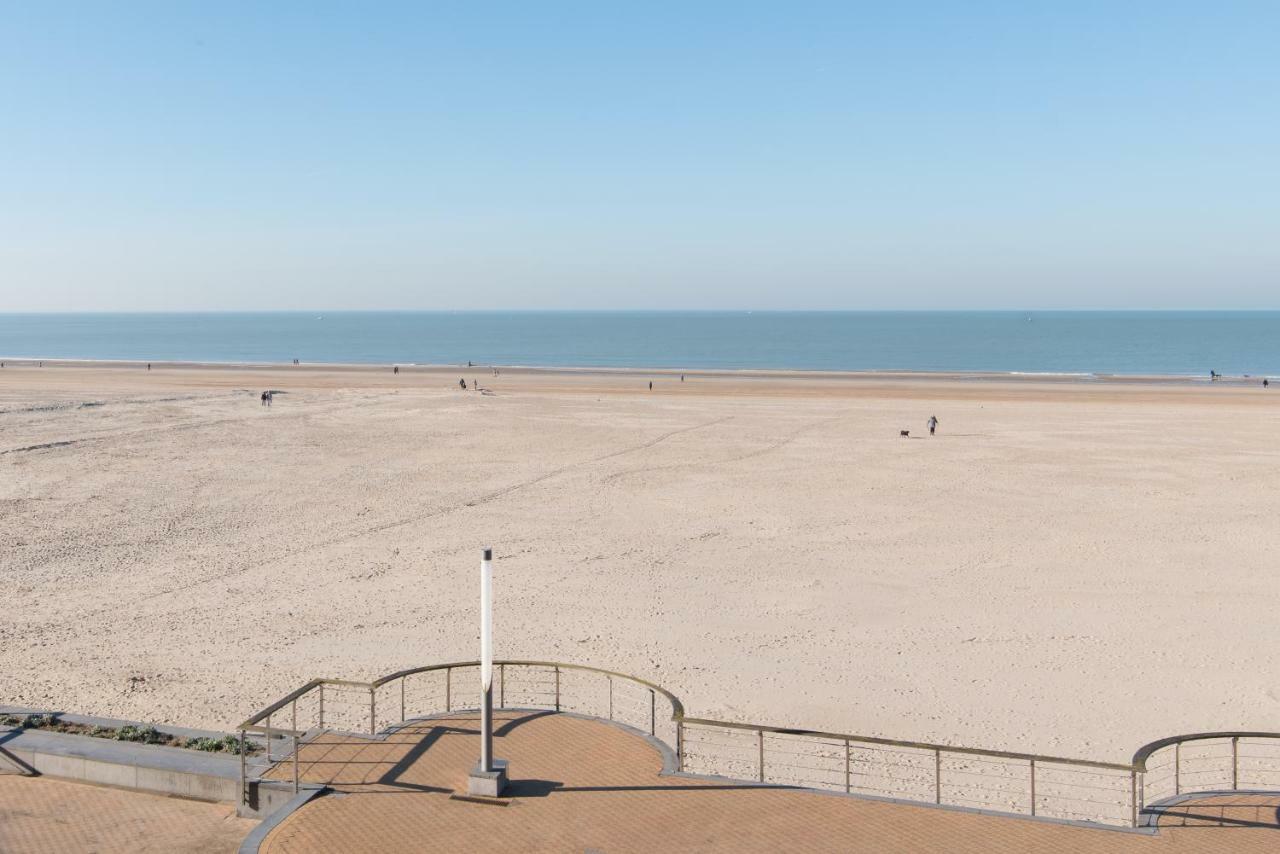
[(653, 713), (268, 742), (448, 689), (760, 738), (557, 687), (372, 727), (403, 679), (1177, 768), (1033, 787), (1235, 762), (502, 686), (293, 712), (937, 776), (244, 791), (610, 678), (1133, 794), (848, 767), (321, 723), (680, 746)]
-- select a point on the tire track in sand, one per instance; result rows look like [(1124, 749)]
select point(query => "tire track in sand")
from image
[(419, 517)]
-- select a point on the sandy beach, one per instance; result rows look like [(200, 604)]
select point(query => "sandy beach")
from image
[(1068, 567)]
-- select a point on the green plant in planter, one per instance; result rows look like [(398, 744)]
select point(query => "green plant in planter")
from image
[(144, 734)]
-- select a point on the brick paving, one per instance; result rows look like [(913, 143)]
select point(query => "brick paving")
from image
[(585, 786), (1239, 810), (43, 816)]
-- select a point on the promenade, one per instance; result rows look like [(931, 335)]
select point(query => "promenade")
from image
[(586, 785)]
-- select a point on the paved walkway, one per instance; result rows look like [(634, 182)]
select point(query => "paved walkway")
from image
[(586, 786), (43, 816)]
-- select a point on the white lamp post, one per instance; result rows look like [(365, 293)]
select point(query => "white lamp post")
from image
[(486, 661), (490, 775)]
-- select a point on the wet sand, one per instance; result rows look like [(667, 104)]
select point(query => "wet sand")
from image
[(1071, 567)]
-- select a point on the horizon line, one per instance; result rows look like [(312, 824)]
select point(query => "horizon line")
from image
[(321, 310)]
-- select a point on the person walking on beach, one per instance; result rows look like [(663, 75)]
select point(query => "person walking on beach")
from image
[(463, 383), (396, 369), (933, 424), (650, 385), (264, 398), (1265, 382)]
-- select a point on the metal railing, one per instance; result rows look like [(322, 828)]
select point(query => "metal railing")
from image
[(1000, 781), (372, 707), (1108, 793), (1208, 762)]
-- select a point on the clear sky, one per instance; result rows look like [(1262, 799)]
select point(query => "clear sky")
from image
[(278, 155)]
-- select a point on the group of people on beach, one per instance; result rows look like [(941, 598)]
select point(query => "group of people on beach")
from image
[(1214, 376), (266, 397)]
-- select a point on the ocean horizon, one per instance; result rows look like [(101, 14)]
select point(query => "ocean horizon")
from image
[(1178, 343)]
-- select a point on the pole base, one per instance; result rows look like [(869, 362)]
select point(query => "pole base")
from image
[(488, 784)]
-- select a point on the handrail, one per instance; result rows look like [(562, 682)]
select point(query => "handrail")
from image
[(252, 722), (678, 716), (677, 708), (1144, 753), (920, 745)]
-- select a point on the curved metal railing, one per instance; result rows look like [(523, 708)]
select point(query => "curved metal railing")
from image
[(994, 780), (372, 707), (1208, 762)]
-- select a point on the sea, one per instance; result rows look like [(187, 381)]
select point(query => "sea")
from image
[(1187, 343)]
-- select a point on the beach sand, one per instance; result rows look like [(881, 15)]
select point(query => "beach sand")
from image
[(1068, 567)]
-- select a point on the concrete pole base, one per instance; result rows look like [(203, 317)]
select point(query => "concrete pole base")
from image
[(488, 784)]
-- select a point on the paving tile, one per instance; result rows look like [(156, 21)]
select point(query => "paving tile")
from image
[(43, 816)]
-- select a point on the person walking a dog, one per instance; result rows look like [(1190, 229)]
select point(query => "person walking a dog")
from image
[(933, 424)]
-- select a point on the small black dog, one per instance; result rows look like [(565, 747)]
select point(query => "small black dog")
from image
[(906, 434)]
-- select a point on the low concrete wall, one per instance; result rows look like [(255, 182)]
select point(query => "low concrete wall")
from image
[(146, 767), (10, 764), (266, 797), (143, 767), (167, 781)]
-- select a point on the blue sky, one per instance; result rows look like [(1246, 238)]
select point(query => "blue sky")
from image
[(174, 156)]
